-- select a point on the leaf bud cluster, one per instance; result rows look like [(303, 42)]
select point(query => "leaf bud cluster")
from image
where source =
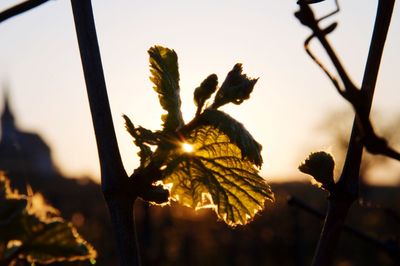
[(235, 89), (204, 92)]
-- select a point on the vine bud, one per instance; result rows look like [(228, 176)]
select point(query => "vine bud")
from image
[(320, 165)]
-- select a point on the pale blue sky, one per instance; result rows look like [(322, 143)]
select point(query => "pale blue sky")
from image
[(39, 60)]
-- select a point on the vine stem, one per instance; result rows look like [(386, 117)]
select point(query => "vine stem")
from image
[(20, 8), (114, 180), (346, 190)]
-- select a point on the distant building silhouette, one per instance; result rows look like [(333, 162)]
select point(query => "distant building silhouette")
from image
[(26, 159), (24, 156)]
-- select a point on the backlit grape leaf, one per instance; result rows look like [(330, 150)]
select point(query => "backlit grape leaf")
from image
[(6, 192), (10, 210), (165, 76), (35, 230), (213, 174), (12, 207), (14, 203), (237, 133), (50, 238), (57, 241)]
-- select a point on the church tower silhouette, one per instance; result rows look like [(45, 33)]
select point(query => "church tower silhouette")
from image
[(24, 156)]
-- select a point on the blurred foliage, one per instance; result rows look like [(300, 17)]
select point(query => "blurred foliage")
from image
[(32, 230)]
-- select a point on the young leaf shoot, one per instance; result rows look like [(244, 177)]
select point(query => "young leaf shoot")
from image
[(212, 161)]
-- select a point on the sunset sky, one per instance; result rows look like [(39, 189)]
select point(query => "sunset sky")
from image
[(40, 66)]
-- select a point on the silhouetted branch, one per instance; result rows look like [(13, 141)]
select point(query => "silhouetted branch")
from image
[(388, 247), (345, 192), (332, 13), (375, 144), (20, 8), (307, 18), (372, 142)]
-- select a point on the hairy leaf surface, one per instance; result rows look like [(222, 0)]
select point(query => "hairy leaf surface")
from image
[(165, 76), (142, 137), (237, 133), (215, 175)]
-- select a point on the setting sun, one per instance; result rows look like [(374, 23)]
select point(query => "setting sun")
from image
[(187, 147)]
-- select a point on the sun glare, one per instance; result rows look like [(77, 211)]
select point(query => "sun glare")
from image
[(187, 147)]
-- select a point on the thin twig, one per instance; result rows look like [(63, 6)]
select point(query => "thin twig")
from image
[(334, 80), (337, 10), (20, 8), (372, 142)]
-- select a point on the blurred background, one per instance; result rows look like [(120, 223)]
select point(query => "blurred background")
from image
[(293, 110)]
